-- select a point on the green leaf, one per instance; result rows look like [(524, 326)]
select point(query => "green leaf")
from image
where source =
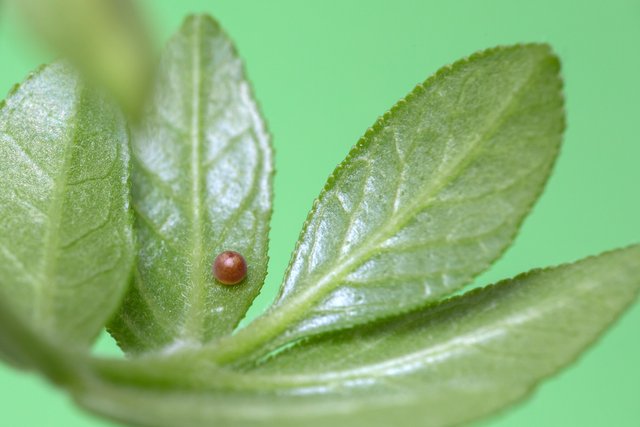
[(104, 38), (65, 227), (201, 184), (23, 347), (443, 365), (431, 195)]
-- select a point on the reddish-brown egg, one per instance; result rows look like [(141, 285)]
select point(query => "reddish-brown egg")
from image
[(229, 268)]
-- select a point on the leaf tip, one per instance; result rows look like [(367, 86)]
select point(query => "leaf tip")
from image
[(196, 19)]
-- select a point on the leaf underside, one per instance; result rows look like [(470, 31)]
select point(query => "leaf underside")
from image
[(441, 366), (65, 228), (202, 168)]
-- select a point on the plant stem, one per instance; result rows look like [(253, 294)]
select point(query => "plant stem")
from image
[(265, 333)]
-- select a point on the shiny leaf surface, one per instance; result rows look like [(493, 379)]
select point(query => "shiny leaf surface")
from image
[(441, 366), (201, 185), (65, 227), (431, 195)]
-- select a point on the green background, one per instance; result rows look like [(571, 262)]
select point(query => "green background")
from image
[(323, 71)]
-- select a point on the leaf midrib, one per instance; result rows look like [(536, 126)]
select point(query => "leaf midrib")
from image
[(193, 325), (422, 202), (281, 316), (46, 285)]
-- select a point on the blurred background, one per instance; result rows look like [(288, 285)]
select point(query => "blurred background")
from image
[(323, 71)]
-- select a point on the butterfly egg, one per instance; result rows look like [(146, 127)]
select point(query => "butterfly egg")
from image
[(229, 268)]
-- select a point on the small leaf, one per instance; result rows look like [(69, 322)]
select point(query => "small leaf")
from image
[(444, 365), (65, 227), (103, 38), (201, 185), (431, 195)]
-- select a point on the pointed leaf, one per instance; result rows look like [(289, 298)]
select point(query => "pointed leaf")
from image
[(442, 366), (201, 185), (65, 227), (431, 195)]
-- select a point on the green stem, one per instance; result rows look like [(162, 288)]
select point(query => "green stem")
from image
[(257, 339), (266, 333)]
